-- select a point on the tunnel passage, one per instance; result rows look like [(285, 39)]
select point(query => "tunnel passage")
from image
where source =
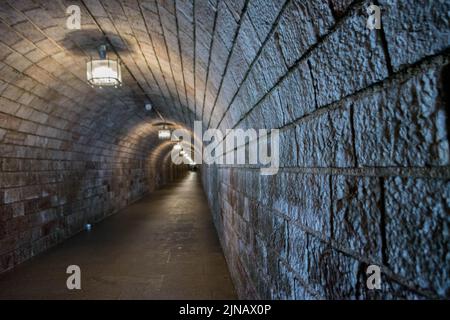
[(363, 118), (163, 246)]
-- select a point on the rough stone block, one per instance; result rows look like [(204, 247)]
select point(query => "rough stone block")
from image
[(340, 6), (326, 140), (350, 59), (296, 93), (357, 215), (403, 124), (417, 228), (300, 26), (415, 29), (247, 40), (263, 13), (302, 192)]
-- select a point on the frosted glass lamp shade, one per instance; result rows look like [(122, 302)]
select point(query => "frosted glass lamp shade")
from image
[(164, 134), (104, 72)]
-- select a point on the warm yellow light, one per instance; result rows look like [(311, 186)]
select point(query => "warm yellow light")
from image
[(164, 134)]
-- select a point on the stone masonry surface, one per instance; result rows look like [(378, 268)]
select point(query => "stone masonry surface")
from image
[(364, 128)]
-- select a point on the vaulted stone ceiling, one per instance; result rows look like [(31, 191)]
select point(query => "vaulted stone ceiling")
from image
[(362, 115), (167, 59), (193, 60), (165, 54)]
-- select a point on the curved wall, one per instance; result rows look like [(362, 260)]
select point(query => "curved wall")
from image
[(363, 118)]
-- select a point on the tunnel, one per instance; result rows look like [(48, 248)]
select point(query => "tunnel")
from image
[(349, 99)]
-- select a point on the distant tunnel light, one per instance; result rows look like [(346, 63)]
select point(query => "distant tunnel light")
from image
[(189, 160), (164, 134)]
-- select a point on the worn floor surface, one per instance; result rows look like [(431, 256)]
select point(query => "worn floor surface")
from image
[(162, 247)]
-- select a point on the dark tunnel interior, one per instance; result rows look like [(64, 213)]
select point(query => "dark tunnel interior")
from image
[(355, 117)]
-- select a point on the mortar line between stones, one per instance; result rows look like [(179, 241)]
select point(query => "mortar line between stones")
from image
[(412, 172), (156, 56), (170, 61), (333, 11), (276, 37), (379, 85), (182, 64), (145, 58), (257, 55), (444, 90), (313, 81), (236, 33), (194, 39), (293, 67), (335, 246), (211, 43), (384, 43)]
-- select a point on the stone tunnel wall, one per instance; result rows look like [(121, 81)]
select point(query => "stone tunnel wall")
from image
[(363, 118), (69, 153), (58, 172), (49, 192), (364, 151)]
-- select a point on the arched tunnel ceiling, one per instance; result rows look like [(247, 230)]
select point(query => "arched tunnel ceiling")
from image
[(363, 119), (155, 41), (165, 58)]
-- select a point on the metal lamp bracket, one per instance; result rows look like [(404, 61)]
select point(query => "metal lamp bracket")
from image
[(102, 51)]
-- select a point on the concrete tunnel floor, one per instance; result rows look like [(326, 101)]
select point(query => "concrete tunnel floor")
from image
[(163, 246)]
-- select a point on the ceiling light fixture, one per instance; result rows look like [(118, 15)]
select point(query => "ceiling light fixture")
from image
[(104, 72), (164, 133)]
